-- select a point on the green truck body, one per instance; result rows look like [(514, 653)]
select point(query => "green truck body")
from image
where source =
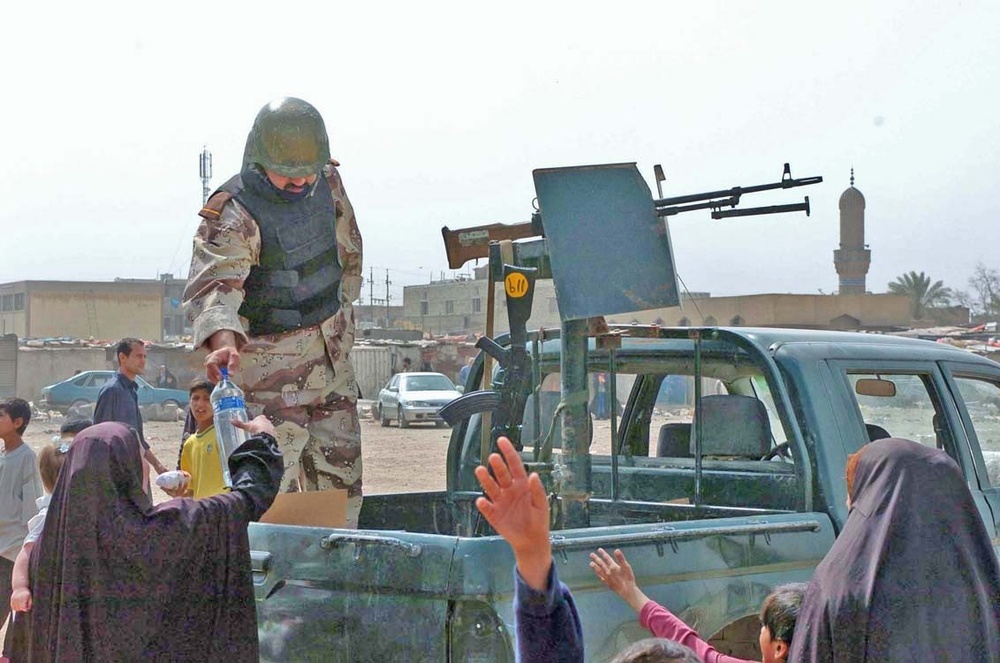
[(709, 527)]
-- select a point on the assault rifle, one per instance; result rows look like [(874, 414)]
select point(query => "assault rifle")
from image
[(512, 384), (468, 244)]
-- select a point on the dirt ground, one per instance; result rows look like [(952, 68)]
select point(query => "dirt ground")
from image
[(395, 461)]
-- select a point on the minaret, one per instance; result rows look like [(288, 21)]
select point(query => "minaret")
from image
[(853, 257)]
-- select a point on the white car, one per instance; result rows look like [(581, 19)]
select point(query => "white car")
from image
[(415, 397)]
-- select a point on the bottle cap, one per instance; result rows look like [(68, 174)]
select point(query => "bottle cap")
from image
[(225, 372)]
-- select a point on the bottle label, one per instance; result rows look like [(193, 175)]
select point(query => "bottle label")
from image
[(229, 403)]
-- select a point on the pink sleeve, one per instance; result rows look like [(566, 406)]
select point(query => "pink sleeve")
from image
[(664, 624)]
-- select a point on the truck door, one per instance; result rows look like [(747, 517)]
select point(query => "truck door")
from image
[(919, 406), (976, 390)]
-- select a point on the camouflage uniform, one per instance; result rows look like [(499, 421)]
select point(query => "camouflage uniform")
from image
[(302, 379)]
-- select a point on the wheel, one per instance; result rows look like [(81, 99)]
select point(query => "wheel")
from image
[(76, 405), (170, 403), (382, 419), (403, 423)]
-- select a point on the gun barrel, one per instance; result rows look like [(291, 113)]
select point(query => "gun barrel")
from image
[(754, 211), (711, 204), (736, 191)]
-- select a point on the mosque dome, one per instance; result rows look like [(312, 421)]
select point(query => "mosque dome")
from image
[(852, 198)]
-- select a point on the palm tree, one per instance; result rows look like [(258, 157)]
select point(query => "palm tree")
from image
[(922, 293)]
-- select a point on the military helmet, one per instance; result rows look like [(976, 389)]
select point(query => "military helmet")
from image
[(289, 138)]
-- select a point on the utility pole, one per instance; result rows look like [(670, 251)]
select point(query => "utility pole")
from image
[(205, 172), (371, 292), (387, 284)]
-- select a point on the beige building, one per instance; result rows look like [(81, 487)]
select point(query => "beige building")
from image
[(847, 312), (459, 307), (144, 308)]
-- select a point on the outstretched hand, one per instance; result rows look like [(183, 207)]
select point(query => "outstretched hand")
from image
[(617, 574), (517, 508), (256, 426)]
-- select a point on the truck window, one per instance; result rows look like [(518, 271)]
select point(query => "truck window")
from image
[(982, 402), (656, 418), (898, 405)]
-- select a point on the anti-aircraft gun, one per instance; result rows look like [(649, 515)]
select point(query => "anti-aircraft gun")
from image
[(578, 208)]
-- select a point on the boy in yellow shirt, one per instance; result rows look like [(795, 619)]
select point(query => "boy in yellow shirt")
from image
[(200, 454)]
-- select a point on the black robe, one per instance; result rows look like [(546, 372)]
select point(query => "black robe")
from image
[(913, 575), (115, 579)]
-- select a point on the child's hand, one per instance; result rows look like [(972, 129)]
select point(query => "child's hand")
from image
[(516, 506), (174, 484), (20, 600), (617, 574)]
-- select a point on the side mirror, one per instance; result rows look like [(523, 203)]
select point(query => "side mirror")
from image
[(460, 389), (875, 387)]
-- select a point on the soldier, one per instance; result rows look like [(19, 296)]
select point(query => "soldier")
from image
[(275, 269)]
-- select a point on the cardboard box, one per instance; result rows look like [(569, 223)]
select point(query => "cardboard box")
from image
[(321, 508)]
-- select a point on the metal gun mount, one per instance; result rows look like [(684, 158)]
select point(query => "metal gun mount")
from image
[(608, 251)]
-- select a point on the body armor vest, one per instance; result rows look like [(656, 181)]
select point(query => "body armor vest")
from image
[(296, 282)]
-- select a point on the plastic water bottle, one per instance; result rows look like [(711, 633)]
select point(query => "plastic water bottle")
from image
[(227, 405)]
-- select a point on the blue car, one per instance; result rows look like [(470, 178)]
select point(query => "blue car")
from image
[(83, 388)]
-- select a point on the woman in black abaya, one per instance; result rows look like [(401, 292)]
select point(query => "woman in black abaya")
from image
[(912, 576), (116, 579)]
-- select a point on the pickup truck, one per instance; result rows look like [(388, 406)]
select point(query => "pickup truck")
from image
[(719, 471)]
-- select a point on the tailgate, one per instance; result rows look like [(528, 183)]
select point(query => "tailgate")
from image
[(350, 595), (709, 572)]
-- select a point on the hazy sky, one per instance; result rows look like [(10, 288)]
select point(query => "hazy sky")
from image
[(439, 112)]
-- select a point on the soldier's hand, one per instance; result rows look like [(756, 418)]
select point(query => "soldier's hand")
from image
[(224, 356), (257, 425)]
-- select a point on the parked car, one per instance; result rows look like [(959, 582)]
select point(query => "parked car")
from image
[(414, 398), (83, 388)]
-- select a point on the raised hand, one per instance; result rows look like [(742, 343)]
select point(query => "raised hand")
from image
[(617, 574), (517, 508)]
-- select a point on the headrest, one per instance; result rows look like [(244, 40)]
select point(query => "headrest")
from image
[(674, 441), (876, 432), (733, 425)]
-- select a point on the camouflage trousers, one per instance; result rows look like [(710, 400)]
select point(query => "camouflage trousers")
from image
[(322, 450), (290, 378)]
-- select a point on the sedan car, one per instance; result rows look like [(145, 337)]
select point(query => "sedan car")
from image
[(83, 388), (415, 397)]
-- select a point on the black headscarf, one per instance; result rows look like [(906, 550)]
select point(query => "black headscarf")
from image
[(913, 575), (114, 579)]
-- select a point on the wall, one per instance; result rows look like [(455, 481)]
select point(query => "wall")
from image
[(40, 367), (463, 318), (880, 311), (373, 366), (95, 314)]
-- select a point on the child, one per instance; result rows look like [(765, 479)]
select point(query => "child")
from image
[(200, 454), (545, 617), (778, 613), (19, 488), (50, 461)]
